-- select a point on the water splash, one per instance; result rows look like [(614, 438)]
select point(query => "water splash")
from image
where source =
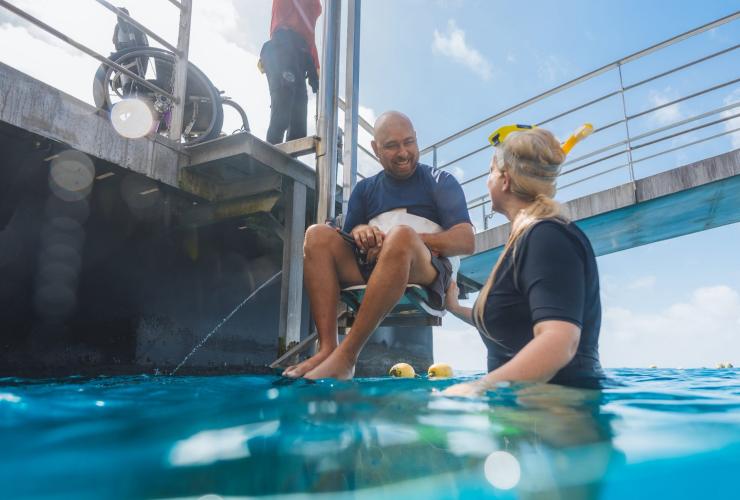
[(227, 318)]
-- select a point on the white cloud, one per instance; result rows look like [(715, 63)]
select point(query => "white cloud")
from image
[(453, 45), (551, 68), (642, 282), (669, 114), (734, 122), (700, 332), (368, 114)]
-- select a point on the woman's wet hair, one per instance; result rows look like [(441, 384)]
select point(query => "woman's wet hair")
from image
[(532, 158)]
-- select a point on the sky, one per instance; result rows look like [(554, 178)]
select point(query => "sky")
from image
[(451, 63)]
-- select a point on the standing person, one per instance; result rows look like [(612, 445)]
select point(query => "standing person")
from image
[(405, 221), (539, 313), (288, 59), (126, 35)]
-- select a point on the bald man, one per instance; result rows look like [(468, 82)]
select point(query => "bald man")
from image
[(406, 221)]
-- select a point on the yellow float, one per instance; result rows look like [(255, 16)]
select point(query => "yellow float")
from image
[(402, 370), (440, 370)]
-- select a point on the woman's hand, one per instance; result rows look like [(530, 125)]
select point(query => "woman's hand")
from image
[(453, 305), (466, 390), (451, 301)]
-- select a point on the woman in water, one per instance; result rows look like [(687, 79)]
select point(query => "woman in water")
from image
[(539, 312)]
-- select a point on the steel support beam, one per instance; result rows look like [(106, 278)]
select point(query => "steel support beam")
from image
[(291, 291), (351, 113), (326, 155), (181, 70)]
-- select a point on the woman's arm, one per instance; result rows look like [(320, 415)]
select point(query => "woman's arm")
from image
[(554, 344), (452, 304)]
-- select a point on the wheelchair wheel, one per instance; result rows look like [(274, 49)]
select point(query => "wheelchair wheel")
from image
[(203, 113)]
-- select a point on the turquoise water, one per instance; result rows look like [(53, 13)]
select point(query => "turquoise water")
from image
[(654, 434)]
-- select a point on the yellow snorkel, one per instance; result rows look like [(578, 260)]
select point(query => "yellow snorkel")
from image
[(500, 134), (581, 133)]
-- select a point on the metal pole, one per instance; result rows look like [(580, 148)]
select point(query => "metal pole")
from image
[(434, 156), (351, 112), (181, 70), (326, 152), (626, 125), (291, 288)]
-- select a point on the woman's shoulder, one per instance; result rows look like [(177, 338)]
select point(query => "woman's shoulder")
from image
[(550, 234)]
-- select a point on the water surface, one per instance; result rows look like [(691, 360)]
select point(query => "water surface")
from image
[(652, 434)]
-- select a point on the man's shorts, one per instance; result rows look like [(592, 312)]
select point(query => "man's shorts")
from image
[(436, 289)]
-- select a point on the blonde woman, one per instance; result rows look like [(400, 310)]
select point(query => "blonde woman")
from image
[(539, 312)]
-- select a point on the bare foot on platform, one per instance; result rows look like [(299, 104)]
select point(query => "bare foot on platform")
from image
[(299, 370), (336, 366)]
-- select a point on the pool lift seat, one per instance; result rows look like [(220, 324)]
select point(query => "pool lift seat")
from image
[(414, 309)]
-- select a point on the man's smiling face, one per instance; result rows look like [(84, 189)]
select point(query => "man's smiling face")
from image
[(395, 145)]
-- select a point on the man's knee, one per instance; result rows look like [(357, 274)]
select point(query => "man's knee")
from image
[(319, 236), (400, 239), (401, 234)]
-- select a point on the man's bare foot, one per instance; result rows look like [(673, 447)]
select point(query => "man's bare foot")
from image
[(336, 366), (299, 370)]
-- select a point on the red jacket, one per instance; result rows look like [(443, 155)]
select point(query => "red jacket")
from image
[(299, 16)]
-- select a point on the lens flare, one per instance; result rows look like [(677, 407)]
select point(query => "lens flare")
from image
[(71, 175), (502, 470), (132, 118)]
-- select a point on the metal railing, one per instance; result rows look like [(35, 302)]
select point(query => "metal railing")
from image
[(180, 52), (631, 142)]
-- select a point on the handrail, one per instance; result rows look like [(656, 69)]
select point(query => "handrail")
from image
[(177, 96), (143, 28), (585, 77), (90, 52), (606, 96), (647, 134), (726, 113), (485, 198)]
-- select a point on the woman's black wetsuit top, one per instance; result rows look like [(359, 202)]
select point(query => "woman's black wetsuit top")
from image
[(552, 275)]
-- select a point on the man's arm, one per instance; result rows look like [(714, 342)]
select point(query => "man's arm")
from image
[(457, 240)]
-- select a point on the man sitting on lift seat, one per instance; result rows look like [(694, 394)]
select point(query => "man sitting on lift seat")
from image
[(406, 221)]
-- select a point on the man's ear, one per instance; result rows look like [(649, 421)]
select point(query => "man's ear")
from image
[(375, 147)]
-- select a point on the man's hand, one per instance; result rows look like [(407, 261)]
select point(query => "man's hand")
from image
[(372, 254), (367, 237)]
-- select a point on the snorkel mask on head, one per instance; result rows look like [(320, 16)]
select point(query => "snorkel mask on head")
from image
[(500, 134)]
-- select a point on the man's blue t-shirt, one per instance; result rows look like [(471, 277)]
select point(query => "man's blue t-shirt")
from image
[(429, 193)]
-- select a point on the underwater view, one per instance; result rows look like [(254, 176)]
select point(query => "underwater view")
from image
[(652, 433)]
